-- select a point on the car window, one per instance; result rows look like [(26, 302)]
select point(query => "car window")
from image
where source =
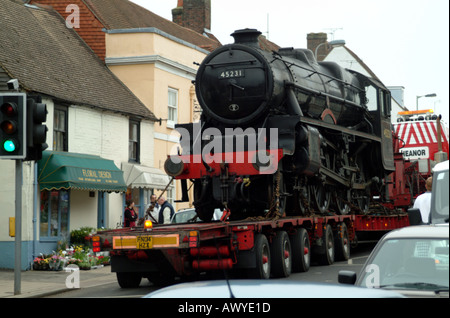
[(183, 216), (409, 263)]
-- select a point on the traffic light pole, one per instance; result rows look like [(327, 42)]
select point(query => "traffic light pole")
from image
[(18, 229)]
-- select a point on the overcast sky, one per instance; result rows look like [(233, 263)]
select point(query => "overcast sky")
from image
[(404, 42)]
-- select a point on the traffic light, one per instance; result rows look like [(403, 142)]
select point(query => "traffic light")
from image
[(36, 130), (13, 137)]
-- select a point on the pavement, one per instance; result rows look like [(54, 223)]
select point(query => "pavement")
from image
[(35, 283)]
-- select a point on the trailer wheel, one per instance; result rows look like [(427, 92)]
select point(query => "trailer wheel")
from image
[(128, 280), (262, 254), (326, 252), (342, 243), (301, 251), (280, 249)]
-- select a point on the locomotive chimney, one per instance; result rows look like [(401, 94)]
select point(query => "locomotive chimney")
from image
[(247, 36)]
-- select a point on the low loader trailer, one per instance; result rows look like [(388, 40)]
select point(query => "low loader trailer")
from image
[(255, 248)]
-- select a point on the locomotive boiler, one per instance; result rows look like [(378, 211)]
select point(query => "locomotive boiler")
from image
[(282, 134)]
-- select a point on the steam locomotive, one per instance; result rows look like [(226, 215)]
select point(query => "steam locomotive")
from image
[(282, 134)]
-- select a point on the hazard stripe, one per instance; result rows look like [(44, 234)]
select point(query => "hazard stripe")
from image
[(424, 132)]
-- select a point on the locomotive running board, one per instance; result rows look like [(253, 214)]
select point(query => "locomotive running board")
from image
[(342, 129)]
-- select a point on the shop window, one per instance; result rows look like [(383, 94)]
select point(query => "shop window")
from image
[(54, 214)]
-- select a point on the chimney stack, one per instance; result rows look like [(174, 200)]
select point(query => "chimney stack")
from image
[(193, 14), (313, 42)]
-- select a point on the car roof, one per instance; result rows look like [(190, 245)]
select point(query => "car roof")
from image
[(420, 231), (441, 166), (268, 289)]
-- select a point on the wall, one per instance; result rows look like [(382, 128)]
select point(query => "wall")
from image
[(148, 62)]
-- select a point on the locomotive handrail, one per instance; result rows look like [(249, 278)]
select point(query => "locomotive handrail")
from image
[(322, 74), (318, 93), (233, 63)]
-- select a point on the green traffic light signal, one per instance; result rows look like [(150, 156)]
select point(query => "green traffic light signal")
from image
[(9, 146)]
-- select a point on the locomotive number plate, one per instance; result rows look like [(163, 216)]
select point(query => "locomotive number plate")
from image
[(232, 74)]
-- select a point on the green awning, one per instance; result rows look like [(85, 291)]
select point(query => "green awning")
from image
[(65, 170)]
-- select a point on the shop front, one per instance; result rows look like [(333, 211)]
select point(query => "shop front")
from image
[(75, 190), (142, 182)]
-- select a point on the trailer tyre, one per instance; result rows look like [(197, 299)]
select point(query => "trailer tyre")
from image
[(326, 252), (128, 280), (281, 255), (262, 254), (301, 251), (342, 243)]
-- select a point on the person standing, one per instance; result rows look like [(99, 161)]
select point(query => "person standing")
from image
[(423, 201), (166, 211), (130, 214)]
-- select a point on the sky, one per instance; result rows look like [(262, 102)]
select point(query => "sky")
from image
[(404, 42)]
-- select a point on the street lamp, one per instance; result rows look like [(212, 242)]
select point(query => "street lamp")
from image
[(417, 99), (331, 43)]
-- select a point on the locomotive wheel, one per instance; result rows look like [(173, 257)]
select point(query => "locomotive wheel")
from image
[(342, 243), (280, 249), (341, 199), (301, 251), (303, 199), (262, 254), (321, 197)]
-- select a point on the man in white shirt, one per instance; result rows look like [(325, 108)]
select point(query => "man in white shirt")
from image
[(154, 214), (423, 201)]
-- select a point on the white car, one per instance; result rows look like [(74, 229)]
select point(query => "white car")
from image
[(413, 261)]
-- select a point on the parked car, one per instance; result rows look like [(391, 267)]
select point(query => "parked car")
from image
[(185, 216), (189, 215), (413, 261), (267, 289)]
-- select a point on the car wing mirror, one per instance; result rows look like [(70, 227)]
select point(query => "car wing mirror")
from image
[(347, 277)]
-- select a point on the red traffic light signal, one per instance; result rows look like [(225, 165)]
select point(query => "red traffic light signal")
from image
[(12, 126)]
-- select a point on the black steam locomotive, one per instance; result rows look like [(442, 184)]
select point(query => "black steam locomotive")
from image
[(282, 134)]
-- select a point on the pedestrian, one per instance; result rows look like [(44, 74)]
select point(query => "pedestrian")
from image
[(153, 208), (130, 214), (166, 211), (423, 201)]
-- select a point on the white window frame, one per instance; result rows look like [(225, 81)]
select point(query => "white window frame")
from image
[(172, 107)]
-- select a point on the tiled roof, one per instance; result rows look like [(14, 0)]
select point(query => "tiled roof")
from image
[(46, 57), (123, 14)]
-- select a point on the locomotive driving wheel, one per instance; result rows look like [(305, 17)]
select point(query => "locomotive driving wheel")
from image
[(320, 191)]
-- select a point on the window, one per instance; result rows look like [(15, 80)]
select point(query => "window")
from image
[(134, 141), (54, 214), (371, 97), (172, 108), (60, 129)]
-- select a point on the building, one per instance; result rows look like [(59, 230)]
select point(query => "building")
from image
[(90, 116), (154, 58), (342, 55)]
